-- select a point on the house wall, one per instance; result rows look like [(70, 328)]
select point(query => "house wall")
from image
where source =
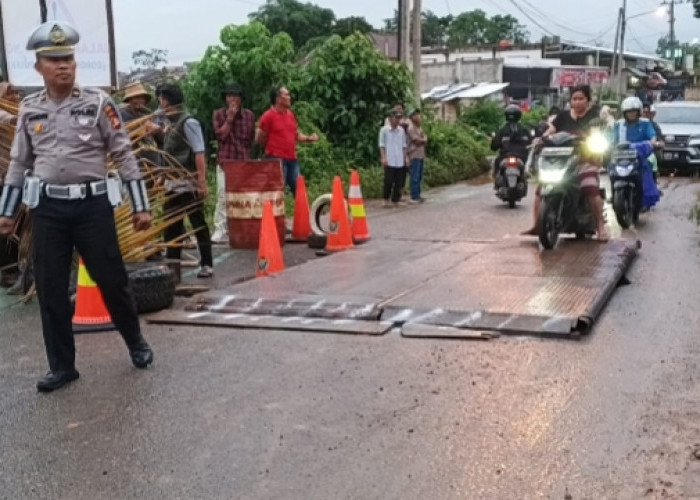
[(460, 71)]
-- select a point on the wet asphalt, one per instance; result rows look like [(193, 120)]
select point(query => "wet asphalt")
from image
[(256, 414)]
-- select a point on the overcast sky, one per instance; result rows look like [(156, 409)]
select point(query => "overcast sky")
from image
[(185, 27)]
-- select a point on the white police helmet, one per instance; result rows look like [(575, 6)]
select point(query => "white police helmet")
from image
[(53, 39)]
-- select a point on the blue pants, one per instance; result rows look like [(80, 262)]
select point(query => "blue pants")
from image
[(290, 172), (416, 172)]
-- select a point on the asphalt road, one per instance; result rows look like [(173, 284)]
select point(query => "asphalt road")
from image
[(279, 415)]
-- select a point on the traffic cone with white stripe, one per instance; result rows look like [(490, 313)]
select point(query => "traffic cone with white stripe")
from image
[(360, 230)]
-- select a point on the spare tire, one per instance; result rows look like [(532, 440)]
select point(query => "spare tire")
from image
[(153, 288), (320, 207)]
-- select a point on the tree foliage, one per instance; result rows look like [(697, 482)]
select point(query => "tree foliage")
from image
[(301, 21), (696, 8), (355, 85), (149, 59), (476, 28), (348, 25), (249, 55), (434, 28)]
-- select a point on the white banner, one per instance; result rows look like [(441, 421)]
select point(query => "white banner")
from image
[(89, 17)]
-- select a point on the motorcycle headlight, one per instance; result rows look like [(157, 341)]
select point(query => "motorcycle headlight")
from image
[(597, 143), (552, 176), (624, 170)]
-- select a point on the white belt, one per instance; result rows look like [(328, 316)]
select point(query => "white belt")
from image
[(74, 191)]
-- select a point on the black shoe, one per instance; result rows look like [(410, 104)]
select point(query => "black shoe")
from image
[(141, 354), (53, 381)]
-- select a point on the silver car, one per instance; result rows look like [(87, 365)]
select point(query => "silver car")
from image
[(680, 125)]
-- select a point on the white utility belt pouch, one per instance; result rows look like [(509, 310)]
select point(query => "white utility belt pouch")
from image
[(31, 190), (114, 188)]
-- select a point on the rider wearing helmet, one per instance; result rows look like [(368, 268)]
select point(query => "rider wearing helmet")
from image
[(512, 139), (640, 133), (632, 127)]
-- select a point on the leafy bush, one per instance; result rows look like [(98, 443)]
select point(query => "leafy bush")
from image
[(486, 117)]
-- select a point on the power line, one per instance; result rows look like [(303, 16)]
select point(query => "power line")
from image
[(532, 19), (538, 12)]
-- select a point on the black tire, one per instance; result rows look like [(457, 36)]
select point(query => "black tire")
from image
[(511, 203), (622, 209), (548, 224), (317, 241), (580, 236), (153, 288)]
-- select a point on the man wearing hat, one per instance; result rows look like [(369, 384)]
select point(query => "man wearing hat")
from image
[(136, 98), (234, 127), (58, 168)]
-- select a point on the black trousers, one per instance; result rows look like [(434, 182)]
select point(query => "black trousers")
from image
[(196, 218), (394, 181), (87, 225)]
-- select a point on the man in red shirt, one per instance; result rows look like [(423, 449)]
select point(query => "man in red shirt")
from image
[(278, 134), (234, 127)]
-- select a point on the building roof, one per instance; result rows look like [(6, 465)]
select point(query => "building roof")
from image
[(575, 47), (476, 92)]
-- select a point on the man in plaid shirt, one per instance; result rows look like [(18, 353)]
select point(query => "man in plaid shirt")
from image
[(235, 132)]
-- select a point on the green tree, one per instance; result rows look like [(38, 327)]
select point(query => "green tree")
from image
[(249, 55), (356, 86), (149, 59), (434, 28), (348, 25), (476, 28), (301, 21), (391, 24), (696, 8)]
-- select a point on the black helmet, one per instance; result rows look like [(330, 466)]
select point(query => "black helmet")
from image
[(513, 113)]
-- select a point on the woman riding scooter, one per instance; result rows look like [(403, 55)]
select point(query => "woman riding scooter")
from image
[(578, 120)]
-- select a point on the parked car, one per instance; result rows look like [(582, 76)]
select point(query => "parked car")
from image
[(680, 125)]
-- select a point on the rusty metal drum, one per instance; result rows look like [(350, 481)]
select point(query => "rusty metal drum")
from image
[(249, 183)]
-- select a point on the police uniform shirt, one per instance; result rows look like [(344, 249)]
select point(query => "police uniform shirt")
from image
[(67, 142)]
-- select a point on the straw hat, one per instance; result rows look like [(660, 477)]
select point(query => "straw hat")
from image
[(136, 89)]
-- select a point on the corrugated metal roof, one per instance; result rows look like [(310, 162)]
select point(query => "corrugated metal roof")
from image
[(476, 92)]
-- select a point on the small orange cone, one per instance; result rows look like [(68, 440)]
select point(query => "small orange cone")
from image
[(360, 231), (339, 233), (91, 315), (301, 228), (269, 251)]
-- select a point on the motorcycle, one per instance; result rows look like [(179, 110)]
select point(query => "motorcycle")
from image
[(626, 181), (511, 184), (565, 208)]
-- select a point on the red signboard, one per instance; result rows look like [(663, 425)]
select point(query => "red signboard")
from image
[(570, 77)]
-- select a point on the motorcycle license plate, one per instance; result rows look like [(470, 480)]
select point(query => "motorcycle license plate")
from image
[(512, 180)]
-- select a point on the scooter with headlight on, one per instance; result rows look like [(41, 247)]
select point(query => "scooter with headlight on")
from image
[(626, 182), (565, 208)]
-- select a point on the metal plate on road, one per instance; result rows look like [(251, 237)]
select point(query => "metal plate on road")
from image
[(416, 330), (267, 322), (510, 286)]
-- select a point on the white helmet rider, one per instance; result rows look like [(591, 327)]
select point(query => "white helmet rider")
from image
[(631, 104)]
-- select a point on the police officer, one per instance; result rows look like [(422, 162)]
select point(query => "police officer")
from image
[(63, 136)]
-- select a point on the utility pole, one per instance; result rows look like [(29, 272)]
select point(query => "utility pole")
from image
[(621, 60), (404, 30), (417, 42), (613, 61)]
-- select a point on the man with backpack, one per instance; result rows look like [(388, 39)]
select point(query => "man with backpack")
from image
[(184, 141)]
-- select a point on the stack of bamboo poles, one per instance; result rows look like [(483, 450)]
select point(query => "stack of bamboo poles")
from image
[(135, 246)]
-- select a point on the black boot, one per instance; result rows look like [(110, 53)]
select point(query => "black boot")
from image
[(55, 380), (141, 353)]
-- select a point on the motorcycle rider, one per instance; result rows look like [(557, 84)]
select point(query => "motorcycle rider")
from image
[(639, 132), (649, 113), (578, 119), (512, 140)]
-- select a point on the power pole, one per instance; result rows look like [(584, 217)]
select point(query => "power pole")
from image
[(417, 42), (613, 61), (621, 60), (405, 30)]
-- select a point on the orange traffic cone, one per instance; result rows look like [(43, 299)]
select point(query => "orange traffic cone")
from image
[(360, 231), (339, 234), (301, 228), (269, 251), (91, 315)]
